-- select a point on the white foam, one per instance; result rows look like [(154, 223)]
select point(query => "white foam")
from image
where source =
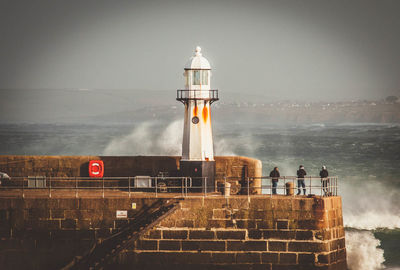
[(363, 252), (369, 204)]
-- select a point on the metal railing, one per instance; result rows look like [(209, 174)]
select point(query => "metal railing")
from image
[(166, 186), (285, 185), (104, 187), (186, 95)]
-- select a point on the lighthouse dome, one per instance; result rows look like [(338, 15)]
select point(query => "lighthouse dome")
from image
[(198, 61)]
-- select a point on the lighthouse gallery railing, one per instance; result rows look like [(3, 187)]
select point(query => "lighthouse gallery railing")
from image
[(207, 95)]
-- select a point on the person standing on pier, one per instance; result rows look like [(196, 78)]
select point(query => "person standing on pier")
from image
[(300, 180), (275, 177), (324, 179)]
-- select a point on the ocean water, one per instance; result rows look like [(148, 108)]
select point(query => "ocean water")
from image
[(365, 157)]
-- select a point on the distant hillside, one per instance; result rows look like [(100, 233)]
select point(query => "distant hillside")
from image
[(130, 106)]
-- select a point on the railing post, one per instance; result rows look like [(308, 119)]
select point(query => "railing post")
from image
[(103, 186), (129, 186), (76, 187), (310, 186), (321, 188), (23, 183), (156, 184), (270, 187), (248, 188), (205, 187), (50, 187), (182, 187), (294, 187)]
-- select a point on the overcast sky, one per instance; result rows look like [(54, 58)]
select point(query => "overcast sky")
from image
[(312, 50)]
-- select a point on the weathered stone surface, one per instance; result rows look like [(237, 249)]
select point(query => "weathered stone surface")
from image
[(169, 245), (231, 234), (204, 245), (287, 258), (248, 257), (201, 234), (175, 234), (246, 245), (270, 257), (277, 246)]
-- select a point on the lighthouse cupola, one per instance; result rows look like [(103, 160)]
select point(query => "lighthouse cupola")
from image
[(197, 145)]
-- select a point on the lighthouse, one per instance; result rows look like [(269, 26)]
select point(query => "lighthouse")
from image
[(197, 144)]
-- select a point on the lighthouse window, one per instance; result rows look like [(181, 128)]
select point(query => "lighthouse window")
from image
[(200, 77), (196, 77), (204, 77)]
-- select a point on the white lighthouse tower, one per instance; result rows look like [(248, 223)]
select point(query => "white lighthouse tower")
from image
[(197, 146)]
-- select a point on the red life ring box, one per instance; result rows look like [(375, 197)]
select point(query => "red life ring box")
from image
[(96, 168)]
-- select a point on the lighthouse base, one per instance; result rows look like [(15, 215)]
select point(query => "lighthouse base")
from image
[(202, 174)]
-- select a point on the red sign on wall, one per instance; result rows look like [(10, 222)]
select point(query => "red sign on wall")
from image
[(96, 168)]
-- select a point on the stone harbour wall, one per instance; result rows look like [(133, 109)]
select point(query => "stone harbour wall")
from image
[(260, 233), (78, 166)]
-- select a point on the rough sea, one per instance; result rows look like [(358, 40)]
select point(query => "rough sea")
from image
[(365, 157)]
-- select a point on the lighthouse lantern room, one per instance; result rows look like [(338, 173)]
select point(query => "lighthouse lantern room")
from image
[(197, 145)]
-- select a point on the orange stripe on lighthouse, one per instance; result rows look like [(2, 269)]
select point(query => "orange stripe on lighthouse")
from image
[(205, 114)]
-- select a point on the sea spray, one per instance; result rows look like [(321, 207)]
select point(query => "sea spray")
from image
[(362, 251), (149, 138), (368, 204)]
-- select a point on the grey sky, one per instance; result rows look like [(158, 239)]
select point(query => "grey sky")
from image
[(315, 50)]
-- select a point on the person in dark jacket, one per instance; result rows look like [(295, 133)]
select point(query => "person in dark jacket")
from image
[(275, 177), (324, 179), (300, 180)]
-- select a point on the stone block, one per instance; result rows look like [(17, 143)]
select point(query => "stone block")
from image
[(174, 234), (57, 214), (341, 254), (68, 224), (223, 258), (308, 246), (38, 213), (324, 258), (83, 224), (246, 224), (246, 245), (306, 259), (277, 246), (304, 235), (147, 245), (242, 214), (219, 223), (201, 234), (169, 245), (231, 234), (264, 203), (255, 234), (269, 257), (282, 224), (287, 258), (265, 224), (199, 245), (281, 235), (282, 203), (153, 234), (49, 224), (248, 257), (310, 224)]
